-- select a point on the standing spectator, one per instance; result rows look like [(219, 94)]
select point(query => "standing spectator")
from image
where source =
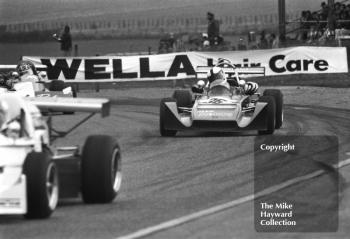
[(241, 45), (305, 24), (324, 10), (213, 29), (315, 27), (331, 23), (303, 27), (274, 41), (263, 44), (172, 43), (66, 41)]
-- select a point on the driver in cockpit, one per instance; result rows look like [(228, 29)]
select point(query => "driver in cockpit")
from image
[(216, 77)]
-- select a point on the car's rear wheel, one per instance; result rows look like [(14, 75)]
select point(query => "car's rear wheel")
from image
[(42, 185), (56, 85), (164, 117), (278, 96), (101, 174), (183, 98), (270, 114)]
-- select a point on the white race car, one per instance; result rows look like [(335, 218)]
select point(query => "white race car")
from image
[(25, 80), (34, 174), (233, 107)]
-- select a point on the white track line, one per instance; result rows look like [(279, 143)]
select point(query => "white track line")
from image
[(181, 220)]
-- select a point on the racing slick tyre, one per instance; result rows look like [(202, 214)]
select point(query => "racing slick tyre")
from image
[(56, 85), (277, 94), (101, 174), (42, 185), (164, 117), (183, 98), (270, 114)]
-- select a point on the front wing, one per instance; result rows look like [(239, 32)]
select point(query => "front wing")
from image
[(173, 120), (13, 198)]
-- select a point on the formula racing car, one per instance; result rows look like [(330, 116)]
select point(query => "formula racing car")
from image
[(34, 174), (25, 80), (227, 106)]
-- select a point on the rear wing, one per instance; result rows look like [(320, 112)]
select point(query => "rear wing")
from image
[(244, 72), (61, 104)]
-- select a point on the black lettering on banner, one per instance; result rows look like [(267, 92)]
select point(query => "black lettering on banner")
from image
[(145, 69), (321, 65), (181, 60), (294, 65), (118, 70), (92, 72), (273, 66), (69, 72), (306, 64)]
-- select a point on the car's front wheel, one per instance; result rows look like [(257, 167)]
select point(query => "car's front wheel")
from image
[(183, 98), (164, 117), (42, 185), (270, 114), (278, 96)]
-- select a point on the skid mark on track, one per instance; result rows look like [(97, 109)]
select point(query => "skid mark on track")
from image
[(194, 216)]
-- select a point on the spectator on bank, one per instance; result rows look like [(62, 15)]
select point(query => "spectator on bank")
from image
[(305, 24), (213, 29), (167, 44), (66, 41), (263, 43), (274, 41), (241, 46), (331, 24), (343, 23), (172, 42), (325, 24), (324, 10), (205, 40)]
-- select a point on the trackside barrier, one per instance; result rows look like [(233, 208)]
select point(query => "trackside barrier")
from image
[(182, 65)]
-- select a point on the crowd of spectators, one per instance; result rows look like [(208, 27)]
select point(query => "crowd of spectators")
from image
[(315, 27), (322, 24)]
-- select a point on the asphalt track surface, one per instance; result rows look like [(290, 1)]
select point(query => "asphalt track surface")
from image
[(168, 178)]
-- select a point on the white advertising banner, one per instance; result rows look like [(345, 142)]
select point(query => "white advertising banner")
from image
[(282, 61)]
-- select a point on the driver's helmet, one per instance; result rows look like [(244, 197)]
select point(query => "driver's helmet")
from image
[(217, 77), (216, 73), (25, 67)]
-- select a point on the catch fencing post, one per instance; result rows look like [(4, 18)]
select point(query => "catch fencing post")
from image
[(76, 50), (282, 19)]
